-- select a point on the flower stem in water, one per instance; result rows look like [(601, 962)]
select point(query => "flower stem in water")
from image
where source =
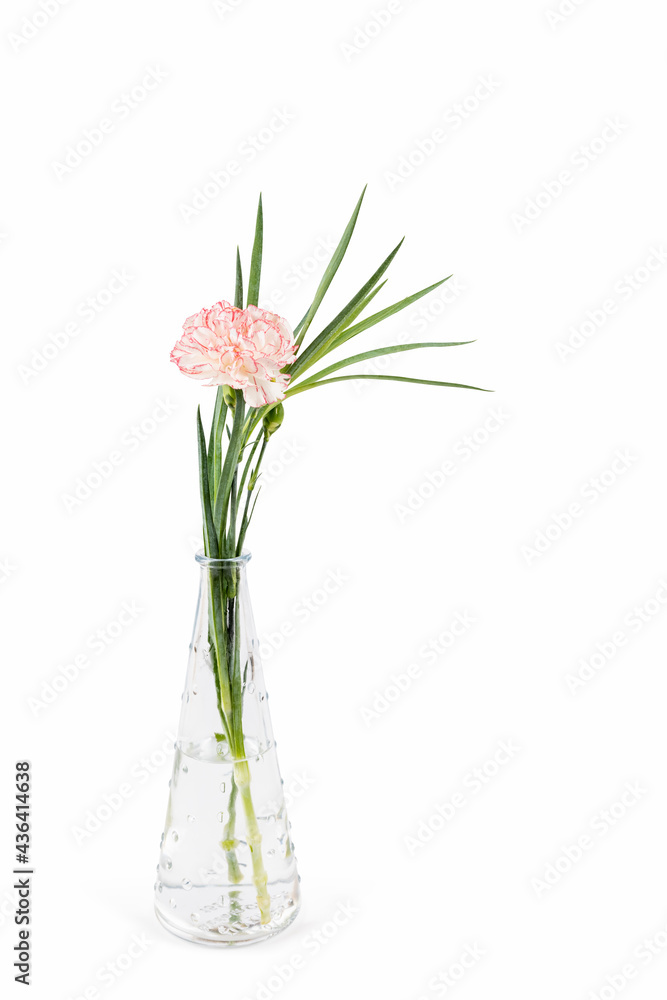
[(229, 842), (260, 878)]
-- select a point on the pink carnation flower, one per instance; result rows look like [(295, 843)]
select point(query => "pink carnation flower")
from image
[(243, 348)]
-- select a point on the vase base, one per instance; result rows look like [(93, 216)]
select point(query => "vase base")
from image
[(228, 937)]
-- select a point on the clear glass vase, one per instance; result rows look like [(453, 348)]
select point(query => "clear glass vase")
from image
[(227, 872)]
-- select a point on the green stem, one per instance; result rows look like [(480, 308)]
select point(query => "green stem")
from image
[(221, 504), (226, 640), (260, 878), (232, 512), (245, 520), (229, 842), (217, 627), (225, 707), (249, 462)]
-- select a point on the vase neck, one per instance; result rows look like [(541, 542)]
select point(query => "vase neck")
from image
[(223, 569), (206, 562)]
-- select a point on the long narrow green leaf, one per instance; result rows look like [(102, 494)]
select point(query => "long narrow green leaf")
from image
[(378, 317), (336, 331), (385, 378), (210, 537), (231, 461), (321, 345), (366, 301), (258, 415), (215, 442), (377, 353), (238, 293), (256, 260), (298, 328), (233, 507), (350, 319), (327, 278), (247, 518), (246, 469)]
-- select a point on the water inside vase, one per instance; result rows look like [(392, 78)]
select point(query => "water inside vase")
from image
[(204, 888)]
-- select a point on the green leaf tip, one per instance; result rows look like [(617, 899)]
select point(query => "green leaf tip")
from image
[(330, 272), (383, 378), (256, 259), (238, 293)]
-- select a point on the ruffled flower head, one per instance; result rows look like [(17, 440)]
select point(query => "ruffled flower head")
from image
[(243, 348)]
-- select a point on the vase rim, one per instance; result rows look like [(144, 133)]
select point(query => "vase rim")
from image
[(205, 560)]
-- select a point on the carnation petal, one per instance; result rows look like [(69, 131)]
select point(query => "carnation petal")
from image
[(243, 348)]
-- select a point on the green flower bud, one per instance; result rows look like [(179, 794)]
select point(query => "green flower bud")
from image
[(229, 396), (273, 420)]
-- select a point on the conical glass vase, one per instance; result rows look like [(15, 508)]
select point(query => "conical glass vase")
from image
[(227, 873)]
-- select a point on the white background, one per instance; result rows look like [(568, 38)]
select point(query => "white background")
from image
[(483, 542)]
